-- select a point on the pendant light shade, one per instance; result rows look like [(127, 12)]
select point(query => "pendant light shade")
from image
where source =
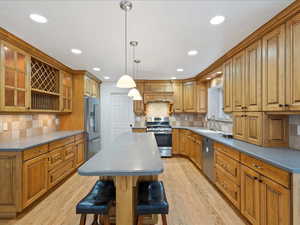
[(135, 94), (126, 81)]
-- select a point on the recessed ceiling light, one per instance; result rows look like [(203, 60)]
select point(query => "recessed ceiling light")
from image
[(192, 52), (76, 51), (217, 20), (173, 78), (96, 69), (106, 78), (179, 70), (38, 18)]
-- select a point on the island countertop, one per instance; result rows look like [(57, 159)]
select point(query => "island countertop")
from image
[(130, 154)]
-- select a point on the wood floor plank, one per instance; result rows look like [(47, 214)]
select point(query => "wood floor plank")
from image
[(193, 200)]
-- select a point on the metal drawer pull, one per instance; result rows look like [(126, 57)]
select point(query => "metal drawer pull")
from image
[(257, 166)]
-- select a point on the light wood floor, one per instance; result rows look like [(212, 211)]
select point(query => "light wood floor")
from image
[(193, 201)]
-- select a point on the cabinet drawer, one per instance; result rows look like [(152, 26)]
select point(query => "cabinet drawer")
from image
[(79, 137), (229, 166), (227, 151), (34, 152), (56, 144), (56, 158), (57, 175), (276, 174), (69, 152), (229, 188)]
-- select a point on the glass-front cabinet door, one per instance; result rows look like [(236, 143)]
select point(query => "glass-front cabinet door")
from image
[(14, 78), (66, 92)]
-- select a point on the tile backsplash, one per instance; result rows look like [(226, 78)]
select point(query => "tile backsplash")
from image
[(14, 127), (294, 122)]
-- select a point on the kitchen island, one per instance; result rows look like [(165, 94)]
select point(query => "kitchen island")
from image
[(131, 157)]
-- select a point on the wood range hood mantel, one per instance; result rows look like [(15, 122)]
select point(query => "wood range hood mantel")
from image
[(159, 97)]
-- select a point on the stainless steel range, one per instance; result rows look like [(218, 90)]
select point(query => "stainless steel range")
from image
[(162, 130)]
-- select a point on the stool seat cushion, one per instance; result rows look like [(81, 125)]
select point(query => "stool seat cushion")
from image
[(98, 200), (152, 198)]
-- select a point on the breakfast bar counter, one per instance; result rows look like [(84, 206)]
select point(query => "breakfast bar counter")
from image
[(130, 156)]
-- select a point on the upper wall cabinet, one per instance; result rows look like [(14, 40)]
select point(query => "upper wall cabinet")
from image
[(274, 70), (201, 100), (227, 72), (178, 96), (158, 86), (253, 78), (238, 82), (14, 78), (138, 106), (91, 87), (66, 92), (293, 64), (189, 96)]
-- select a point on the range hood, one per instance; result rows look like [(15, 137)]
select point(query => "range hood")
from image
[(159, 97)]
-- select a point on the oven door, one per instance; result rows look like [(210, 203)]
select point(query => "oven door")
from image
[(164, 142)]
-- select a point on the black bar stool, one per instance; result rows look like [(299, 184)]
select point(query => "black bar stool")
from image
[(97, 202), (151, 200)]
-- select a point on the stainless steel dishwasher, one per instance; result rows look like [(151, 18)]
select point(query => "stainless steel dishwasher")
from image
[(208, 159)]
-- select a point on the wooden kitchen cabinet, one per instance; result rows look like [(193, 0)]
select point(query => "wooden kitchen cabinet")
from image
[(158, 86), (91, 87), (189, 96), (14, 78), (253, 77), (80, 153), (238, 82), (178, 96), (273, 67), (176, 141), (35, 176), (263, 201), (201, 102), (138, 106), (250, 195), (228, 89), (66, 92), (239, 126), (292, 64)]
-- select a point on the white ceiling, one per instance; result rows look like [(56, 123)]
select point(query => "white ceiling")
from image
[(166, 30)]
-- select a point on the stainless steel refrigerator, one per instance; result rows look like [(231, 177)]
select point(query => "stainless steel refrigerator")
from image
[(92, 125)]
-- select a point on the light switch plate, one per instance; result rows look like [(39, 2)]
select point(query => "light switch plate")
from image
[(298, 130)]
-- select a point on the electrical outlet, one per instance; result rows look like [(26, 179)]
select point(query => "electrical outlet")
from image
[(298, 130), (5, 126)]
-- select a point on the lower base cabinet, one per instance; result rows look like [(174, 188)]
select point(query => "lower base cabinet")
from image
[(264, 202), (35, 177)]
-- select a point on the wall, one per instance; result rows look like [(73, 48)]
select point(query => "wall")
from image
[(21, 126)]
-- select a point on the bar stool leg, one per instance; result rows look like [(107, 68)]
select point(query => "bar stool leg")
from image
[(82, 219), (164, 219), (140, 220), (95, 221), (106, 220)]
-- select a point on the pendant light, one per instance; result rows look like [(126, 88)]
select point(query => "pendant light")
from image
[(125, 80), (134, 93)]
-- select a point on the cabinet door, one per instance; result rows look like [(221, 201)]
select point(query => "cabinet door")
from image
[(35, 175), (80, 154), (175, 141), (14, 79), (138, 106), (238, 82), (275, 203), (239, 126), (189, 96), (293, 66), (178, 97), (274, 70), (201, 97), (254, 127), (227, 71), (253, 78), (250, 195), (198, 152), (87, 86), (56, 158), (67, 92)]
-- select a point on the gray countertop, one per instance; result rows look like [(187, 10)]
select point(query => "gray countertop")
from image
[(284, 158), (130, 154), (30, 142)]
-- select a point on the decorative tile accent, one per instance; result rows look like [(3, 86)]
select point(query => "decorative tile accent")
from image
[(21, 126)]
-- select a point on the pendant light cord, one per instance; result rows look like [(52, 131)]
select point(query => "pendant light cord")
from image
[(126, 42)]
